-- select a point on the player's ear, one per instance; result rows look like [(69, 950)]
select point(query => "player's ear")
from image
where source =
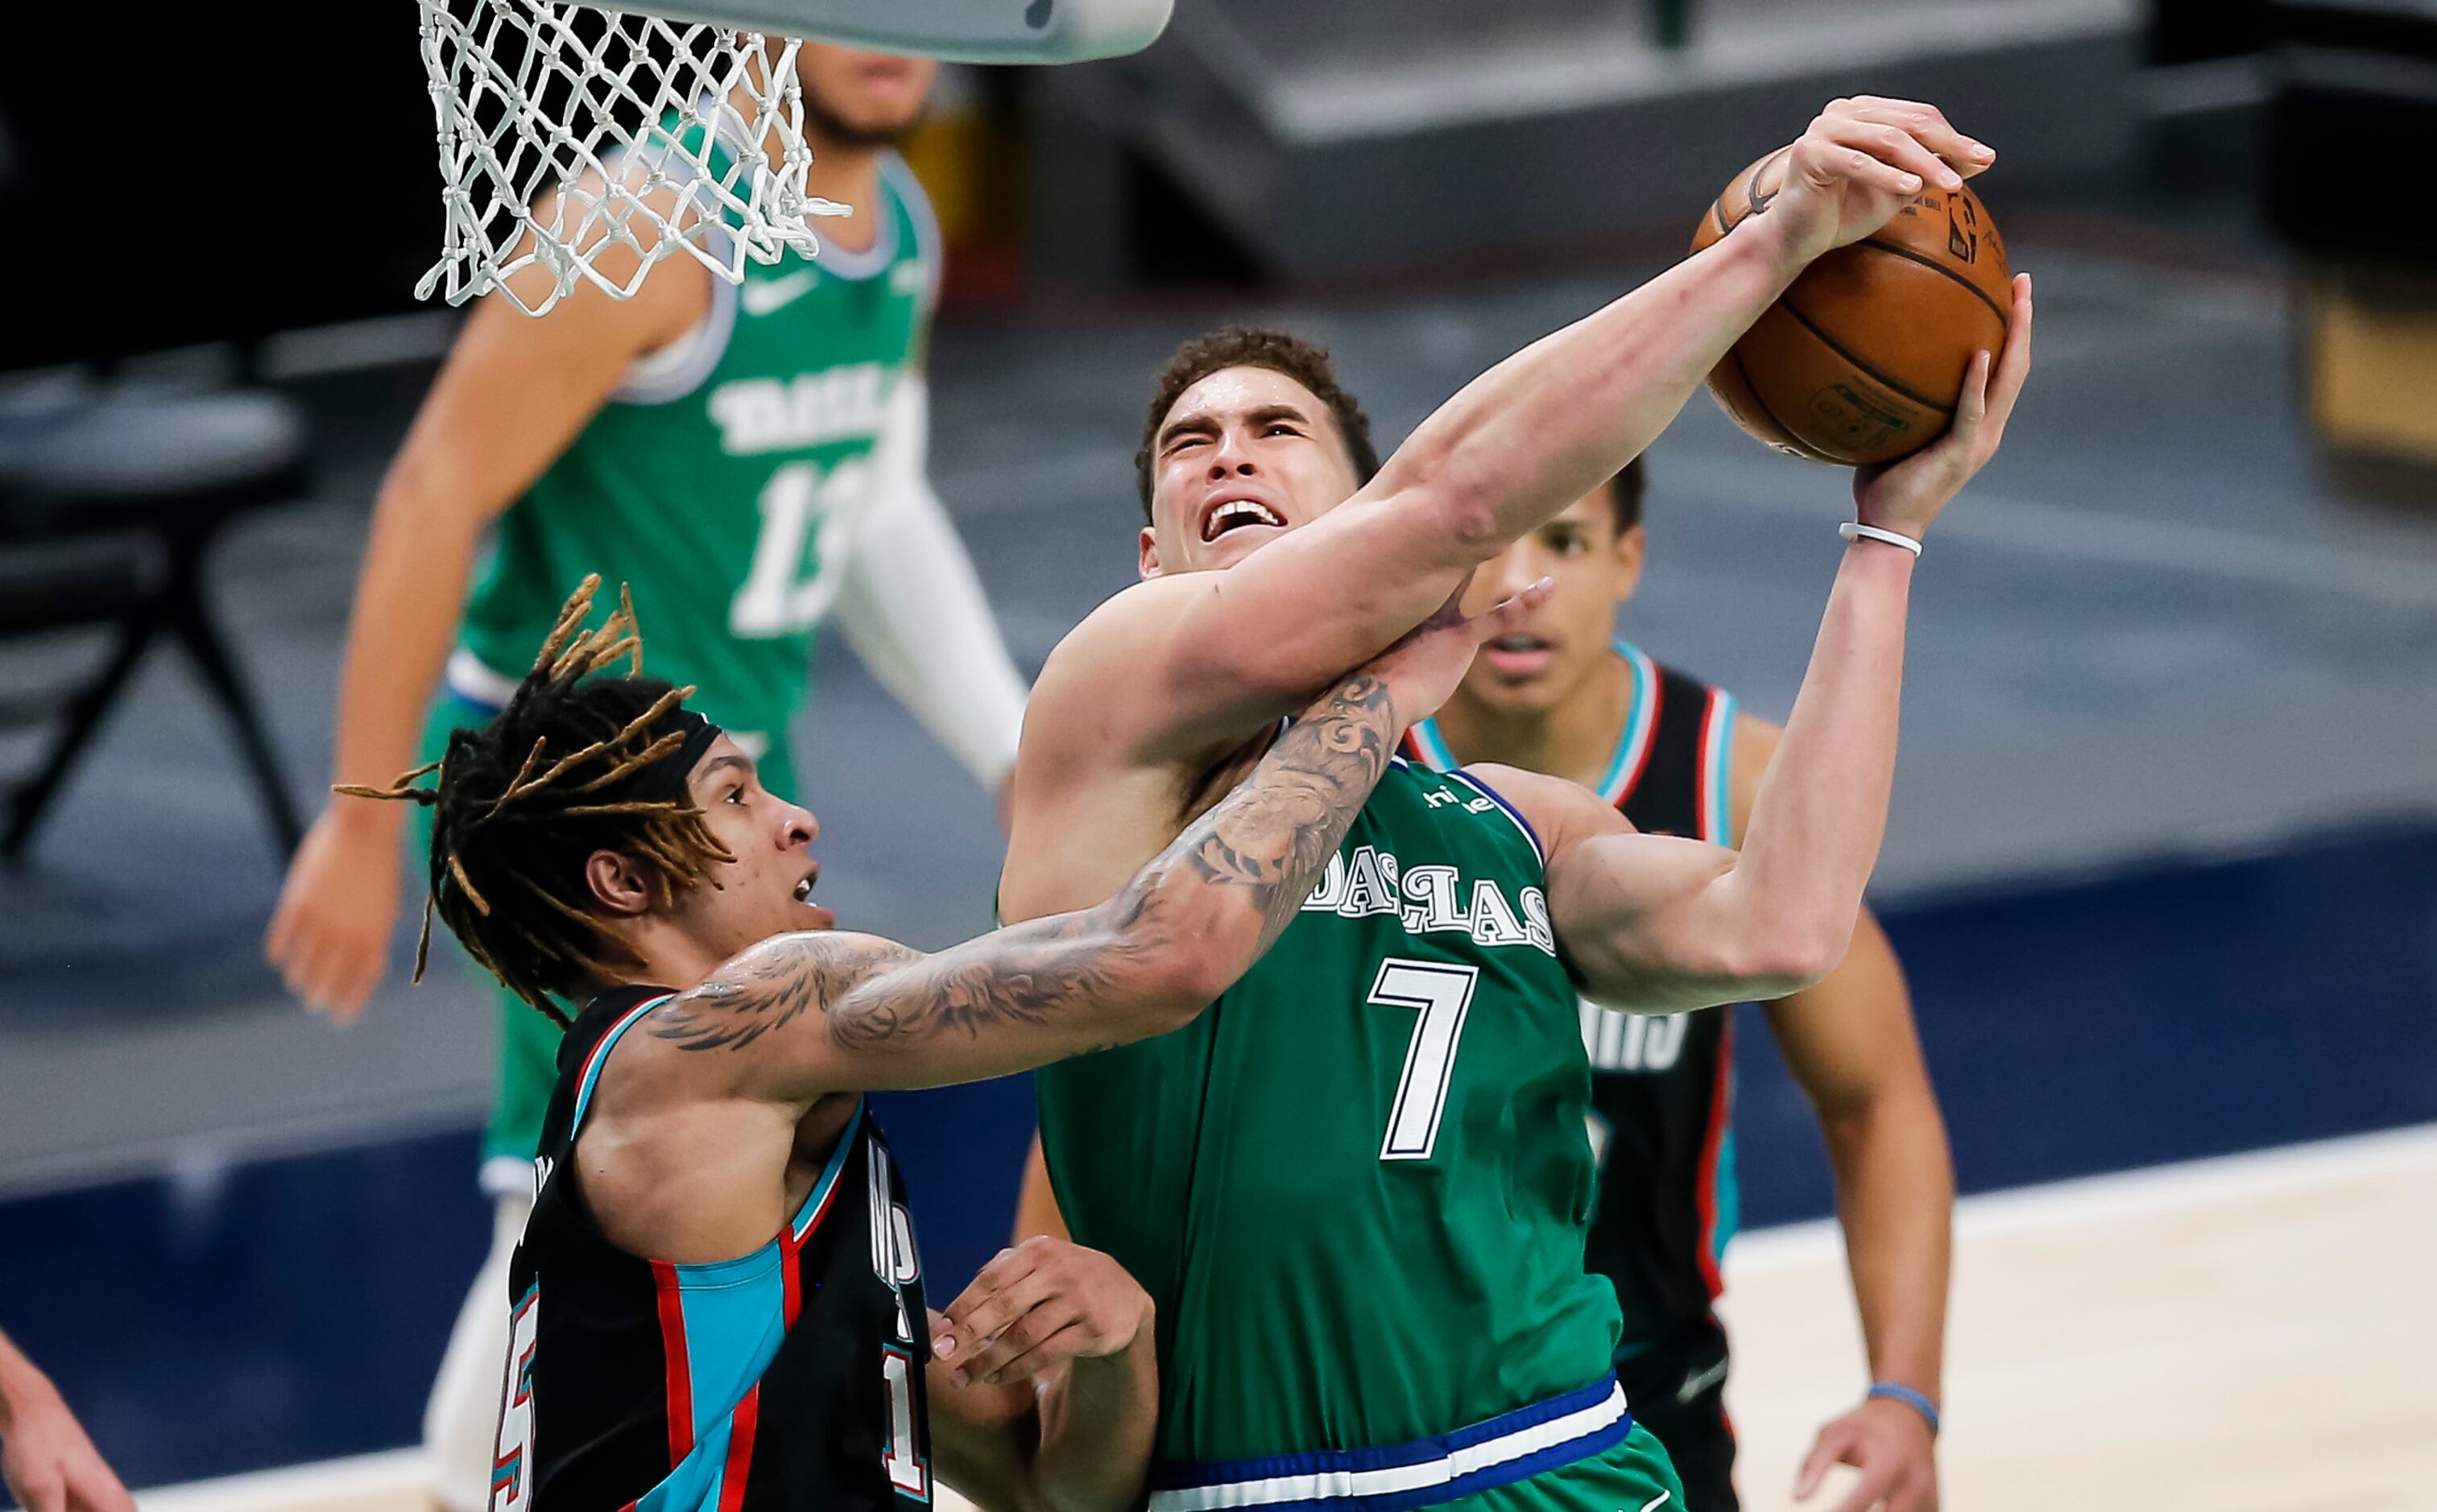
[(616, 884), (1148, 564), (1628, 548)]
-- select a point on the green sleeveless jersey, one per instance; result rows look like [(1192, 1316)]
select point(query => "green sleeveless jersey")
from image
[(710, 479), (1357, 1185)]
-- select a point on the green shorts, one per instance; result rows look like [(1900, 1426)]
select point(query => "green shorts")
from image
[(528, 1043)]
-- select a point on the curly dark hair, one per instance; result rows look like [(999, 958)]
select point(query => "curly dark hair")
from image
[(1253, 346), (520, 805)]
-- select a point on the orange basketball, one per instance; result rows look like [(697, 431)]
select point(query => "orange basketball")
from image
[(1863, 358)]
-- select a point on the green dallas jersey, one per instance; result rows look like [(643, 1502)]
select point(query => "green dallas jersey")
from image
[(1357, 1185), (708, 481)]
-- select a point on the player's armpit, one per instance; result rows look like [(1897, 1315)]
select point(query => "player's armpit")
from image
[(1651, 923)]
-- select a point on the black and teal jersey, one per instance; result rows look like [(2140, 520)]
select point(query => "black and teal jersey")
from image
[(788, 1380)]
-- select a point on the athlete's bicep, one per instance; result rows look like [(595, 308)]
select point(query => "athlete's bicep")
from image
[(1648, 922), (1178, 665), (761, 1026), (1256, 640)]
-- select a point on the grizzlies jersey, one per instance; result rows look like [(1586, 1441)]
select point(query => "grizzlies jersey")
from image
[(1662, 1087), (722, 478), (788, 1380), (1355, 1184)]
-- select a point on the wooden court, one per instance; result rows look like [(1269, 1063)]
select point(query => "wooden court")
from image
[(2255, 1334)]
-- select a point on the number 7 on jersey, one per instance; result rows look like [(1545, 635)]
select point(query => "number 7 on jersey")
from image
[(1442, 991)]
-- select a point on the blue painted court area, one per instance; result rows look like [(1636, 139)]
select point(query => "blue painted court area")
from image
[(223, 1320)]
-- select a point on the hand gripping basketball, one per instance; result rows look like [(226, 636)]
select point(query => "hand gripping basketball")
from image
[(1855, 165), (1906, 495)]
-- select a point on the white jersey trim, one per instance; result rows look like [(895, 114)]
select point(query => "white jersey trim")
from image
[(860, 263), (679, 368)]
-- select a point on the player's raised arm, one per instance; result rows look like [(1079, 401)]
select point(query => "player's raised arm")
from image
[(1659, 924), (1181, 931), (1511, 449)]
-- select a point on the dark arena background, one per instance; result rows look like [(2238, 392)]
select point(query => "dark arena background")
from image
[(2163, 861)]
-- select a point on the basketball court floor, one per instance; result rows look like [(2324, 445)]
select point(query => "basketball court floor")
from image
[(2162, 868), (2164, 1338)]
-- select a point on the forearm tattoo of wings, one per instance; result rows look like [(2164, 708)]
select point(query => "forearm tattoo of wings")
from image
[(1261, 849)]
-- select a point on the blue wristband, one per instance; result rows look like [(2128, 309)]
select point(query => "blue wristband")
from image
[(1898, 1391)]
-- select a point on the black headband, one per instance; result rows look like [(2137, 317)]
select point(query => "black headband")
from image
[(665, 780)]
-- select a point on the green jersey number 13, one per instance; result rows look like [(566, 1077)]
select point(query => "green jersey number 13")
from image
[(801, 500)]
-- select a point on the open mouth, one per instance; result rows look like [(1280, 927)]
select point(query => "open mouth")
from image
[(1519, 655), (1235, 513), (804, 888)]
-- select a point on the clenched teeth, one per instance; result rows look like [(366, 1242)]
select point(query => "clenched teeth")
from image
[(1239, 511)]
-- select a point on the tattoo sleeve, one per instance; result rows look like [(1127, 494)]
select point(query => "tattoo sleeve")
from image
[(1201, 911)]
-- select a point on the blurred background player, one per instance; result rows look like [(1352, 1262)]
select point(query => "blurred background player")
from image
[(748, 458), (45, 1460), (1677, 756)]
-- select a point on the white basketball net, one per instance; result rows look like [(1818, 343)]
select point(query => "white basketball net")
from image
[(592, 144)]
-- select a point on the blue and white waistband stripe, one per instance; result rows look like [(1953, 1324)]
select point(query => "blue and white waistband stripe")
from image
[(1497, 1451)]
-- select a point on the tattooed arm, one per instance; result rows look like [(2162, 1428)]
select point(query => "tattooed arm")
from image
[(829, 1012)]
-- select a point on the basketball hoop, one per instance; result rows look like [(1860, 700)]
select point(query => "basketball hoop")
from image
[(591, 144)]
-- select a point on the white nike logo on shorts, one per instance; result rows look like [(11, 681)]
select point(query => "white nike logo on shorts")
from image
[(1656, 1501), (777, 293), (1701, 1380)]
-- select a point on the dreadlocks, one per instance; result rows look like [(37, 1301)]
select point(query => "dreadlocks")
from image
[(568, 767)]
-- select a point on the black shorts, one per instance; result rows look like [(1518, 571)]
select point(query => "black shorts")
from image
[(1677, 1389)]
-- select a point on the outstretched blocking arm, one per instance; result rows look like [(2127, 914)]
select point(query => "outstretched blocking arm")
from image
[(845, 1012), (1657, 924), (832, 1012), (1511, 449)]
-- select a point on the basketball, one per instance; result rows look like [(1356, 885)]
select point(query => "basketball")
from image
[(1863, 358)]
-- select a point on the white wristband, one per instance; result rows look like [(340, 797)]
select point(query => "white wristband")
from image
[(1855, 530)]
